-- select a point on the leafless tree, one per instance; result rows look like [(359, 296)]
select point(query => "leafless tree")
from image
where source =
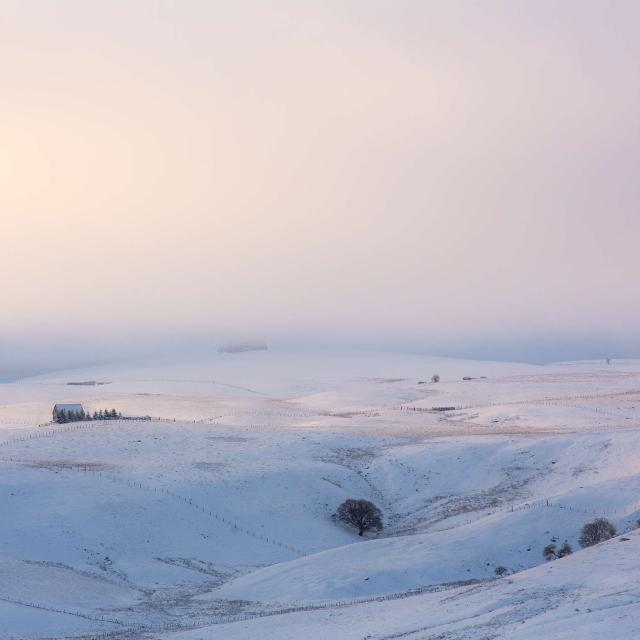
[(361, 514), (597, 531)]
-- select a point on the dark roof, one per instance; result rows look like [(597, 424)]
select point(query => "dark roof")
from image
[(76, 408)]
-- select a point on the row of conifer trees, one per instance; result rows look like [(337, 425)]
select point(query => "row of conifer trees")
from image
[(80, 416)]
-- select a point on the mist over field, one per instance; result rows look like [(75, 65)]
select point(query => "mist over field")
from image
[(443, 177), (29, 353)]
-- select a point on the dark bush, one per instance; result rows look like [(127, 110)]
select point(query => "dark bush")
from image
[(551, 551)]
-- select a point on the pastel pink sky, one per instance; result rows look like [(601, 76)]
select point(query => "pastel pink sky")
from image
[(406, 168)]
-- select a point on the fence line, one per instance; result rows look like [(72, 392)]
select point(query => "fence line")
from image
[(318, 606), (551, 401), (198, 507), (80, 426), (184, 499), (72, 426), (545, 503), (77, 614)]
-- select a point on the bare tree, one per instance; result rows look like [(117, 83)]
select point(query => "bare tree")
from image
[(597, 531), (361, 514)]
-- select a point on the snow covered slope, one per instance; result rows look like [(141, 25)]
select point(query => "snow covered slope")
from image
[(222, 504), (592, 594), (484, 502)]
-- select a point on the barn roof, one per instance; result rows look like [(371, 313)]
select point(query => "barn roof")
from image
[(68, 407)]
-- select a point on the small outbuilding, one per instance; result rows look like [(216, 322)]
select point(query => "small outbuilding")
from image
[(69, 411)]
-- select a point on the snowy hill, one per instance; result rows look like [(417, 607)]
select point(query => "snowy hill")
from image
[(222, 504), (591, 594)]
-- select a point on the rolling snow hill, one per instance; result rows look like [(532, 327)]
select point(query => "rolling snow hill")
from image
[(221, 505)]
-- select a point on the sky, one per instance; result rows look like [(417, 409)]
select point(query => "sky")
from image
[(450, 177)]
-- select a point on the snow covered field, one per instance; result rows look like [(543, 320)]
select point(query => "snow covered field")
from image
[(214, 518)]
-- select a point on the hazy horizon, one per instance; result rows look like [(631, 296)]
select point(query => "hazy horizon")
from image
[(454, 178), (32, 355)]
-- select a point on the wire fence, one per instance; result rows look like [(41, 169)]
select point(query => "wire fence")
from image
[(200, 622), (550, 401), (69, 428), (69, 612), (236, 527), (162, 491), (544, 503)]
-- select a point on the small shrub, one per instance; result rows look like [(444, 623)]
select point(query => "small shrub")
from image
[(551, 551), (500, 571), (435, 377), (597, 531)]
